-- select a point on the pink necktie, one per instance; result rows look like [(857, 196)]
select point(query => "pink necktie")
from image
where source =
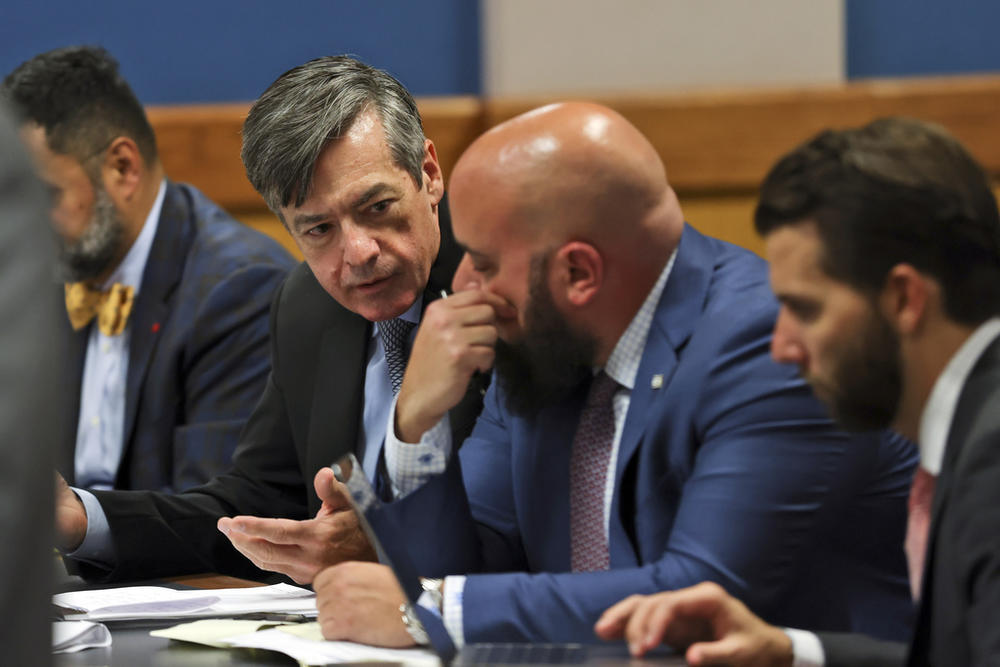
[(917, 525), (588, 475)]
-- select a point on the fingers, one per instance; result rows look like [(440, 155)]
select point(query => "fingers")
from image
[(611, 624), (473, 294), (331, 492), (276, 531), (638, 629), (739, 648)]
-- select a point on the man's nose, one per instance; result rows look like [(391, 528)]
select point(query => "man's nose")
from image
[(465, 276), (360, 247), (786, 345)]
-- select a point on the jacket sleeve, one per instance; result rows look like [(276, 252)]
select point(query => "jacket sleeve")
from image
[(854, 650), (158, 534), (768, 472), (225, 366)]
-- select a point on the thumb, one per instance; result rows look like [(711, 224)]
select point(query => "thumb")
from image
[(731, 649), (331, 492)]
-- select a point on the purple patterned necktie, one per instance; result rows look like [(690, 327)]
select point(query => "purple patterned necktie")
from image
[(395, 334), (588, 475)]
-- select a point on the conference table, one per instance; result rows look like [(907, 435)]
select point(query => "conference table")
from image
[(132, 645)]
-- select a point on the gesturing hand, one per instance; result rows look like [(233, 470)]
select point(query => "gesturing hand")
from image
[(300, 549)]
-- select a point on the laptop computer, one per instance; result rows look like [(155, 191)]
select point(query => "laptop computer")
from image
[(392, 552)]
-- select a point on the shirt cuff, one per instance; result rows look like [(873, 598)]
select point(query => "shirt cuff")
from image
[(96, 548), (410, 465), (454, 588), (807, 651)]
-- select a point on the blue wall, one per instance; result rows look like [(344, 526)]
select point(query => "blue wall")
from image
[(230, 50), (887, 38)]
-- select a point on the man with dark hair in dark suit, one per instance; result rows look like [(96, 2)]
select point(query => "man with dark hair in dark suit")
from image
[(167, 295), (337, 149), (884, 244)]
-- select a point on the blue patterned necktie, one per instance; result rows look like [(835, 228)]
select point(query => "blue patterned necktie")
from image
[(395, 335), (588, 474)]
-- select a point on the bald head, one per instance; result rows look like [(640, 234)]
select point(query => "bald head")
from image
[(580, 160), (566, 207)]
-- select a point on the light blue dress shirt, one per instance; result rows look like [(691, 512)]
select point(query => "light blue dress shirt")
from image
[(378, 395), (97, 548), (99, 432)]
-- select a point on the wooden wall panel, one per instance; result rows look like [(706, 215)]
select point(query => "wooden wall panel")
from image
[(717, 145), (727, 140), (200, 144)]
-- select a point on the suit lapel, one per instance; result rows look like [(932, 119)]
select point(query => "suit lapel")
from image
[(676, 313), (75, 355), (338, 391), (969, 404), (163, 271)]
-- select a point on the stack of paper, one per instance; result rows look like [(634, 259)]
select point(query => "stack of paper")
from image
[(156, 602), (73, 636)]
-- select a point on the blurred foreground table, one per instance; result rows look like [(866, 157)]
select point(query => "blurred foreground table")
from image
[(131, 644)]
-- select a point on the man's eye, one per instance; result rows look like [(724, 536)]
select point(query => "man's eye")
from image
[(318, 230), (380, 206), (805, 312)]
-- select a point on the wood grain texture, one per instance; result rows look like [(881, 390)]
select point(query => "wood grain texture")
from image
[(717, 145)]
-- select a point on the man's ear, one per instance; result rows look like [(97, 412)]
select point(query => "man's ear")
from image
[(577, 272), (121, 170), (906, 297), (433, 178)]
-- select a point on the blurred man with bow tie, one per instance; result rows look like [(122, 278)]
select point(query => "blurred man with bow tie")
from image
[(167, 296)]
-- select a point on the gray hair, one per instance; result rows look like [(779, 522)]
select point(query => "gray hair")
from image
[(311, 105)]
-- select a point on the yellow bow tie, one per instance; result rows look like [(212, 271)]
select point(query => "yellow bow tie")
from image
[(112, 307)]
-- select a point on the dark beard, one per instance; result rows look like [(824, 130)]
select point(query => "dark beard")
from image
[(868, 379), (549, 360), (98, 247)]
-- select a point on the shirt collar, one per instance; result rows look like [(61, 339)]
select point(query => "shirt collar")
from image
[(623, 364), (935, 420), (129, 271), (411, 315)]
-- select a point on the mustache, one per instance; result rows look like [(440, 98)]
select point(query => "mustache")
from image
[(366, 276)]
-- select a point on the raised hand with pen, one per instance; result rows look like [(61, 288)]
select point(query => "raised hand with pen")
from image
[(456, 339)]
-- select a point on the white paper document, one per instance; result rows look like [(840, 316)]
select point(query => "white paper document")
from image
[(156, 602), (304, 643), (212, 631), (73, 636)]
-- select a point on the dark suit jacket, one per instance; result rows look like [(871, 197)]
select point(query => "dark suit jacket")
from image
[(959, 618), (728, 470), (198, 353), (307, 418)]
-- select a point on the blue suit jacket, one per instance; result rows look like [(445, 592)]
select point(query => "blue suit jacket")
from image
[(198, 357), (731, 472)]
